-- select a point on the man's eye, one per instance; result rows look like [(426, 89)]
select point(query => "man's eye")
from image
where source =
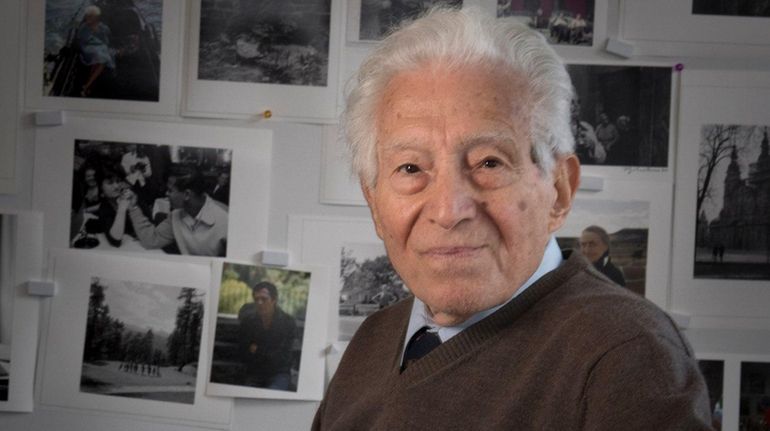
[(491, 163), (409, 168)]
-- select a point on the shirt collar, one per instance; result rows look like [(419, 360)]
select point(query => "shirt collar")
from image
[(552, 258), (205, 216)]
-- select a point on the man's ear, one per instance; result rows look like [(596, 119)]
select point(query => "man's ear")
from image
[(566, 178), (372, 202)]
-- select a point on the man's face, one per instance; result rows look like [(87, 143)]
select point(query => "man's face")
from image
[(264, 302), (464, 212), (592, 246), (175, 196)]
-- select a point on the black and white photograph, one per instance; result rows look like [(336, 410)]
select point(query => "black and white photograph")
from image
[(260, 326), (379, 17), (150, 198), (142, 341), (613, 235), (732, 239), (265, 41), (620, 114), (755, 397), (103, 49), (368, 284), (562, 22), (714, 373), (5, 368), (748, 8)]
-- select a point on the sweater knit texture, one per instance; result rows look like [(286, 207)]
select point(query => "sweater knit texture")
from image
[(572, 352)]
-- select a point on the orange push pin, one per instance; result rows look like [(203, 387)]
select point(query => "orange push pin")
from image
[(267, 114)]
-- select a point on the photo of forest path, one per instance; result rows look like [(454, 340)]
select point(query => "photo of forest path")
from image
[(142, 341)]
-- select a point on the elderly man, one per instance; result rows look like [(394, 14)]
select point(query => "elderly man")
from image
[(459, 128)]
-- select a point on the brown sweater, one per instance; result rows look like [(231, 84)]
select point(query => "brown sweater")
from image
[(572, 352)]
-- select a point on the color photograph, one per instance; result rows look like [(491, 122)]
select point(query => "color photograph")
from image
[(620, 114), (562, 22), (150, 198), (613, 236), (732, 238), (265, 41), (261, 320), (142, 341), (748, 8), (379, 17), (104, 49), (368, 284), (755, 397)]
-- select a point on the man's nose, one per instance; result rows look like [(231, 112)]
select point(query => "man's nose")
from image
[(452, 200)]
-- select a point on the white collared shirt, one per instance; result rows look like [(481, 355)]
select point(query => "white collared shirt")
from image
[(420, 316)]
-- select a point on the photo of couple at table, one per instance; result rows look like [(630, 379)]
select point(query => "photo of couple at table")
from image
[(150, 198)]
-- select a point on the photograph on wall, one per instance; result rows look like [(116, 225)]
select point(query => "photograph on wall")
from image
[(6, 301), (265, 41), (620, 114), (368, 284), (142, 341), (150, 198), (5, 368), (562, 22), (613, 236), (748, 8), (755, 396), (732, 239), (260, 325), (105, 49), (379, 17), (713, 372), (127, 335)]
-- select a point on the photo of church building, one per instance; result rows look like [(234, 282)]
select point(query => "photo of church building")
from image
[(733, 230)]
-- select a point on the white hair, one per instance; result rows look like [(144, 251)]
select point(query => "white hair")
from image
[(460, 38), (92, 11)]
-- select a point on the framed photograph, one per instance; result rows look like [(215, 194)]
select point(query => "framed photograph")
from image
[(246, 58), (731, 8), (372, 20), (318, 240), (713, 371), (755, 396), (562, 23), (613, 235), (269, 332), (105, 55), (705, 28), (135, 331), (368, 284), (10, 37), (721, 269), (154, 188), (21, 260), (621, 115)]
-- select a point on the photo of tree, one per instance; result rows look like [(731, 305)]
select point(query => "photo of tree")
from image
[(732, 237), (142, 341), (368, 283), (261, 320), (759, 8)]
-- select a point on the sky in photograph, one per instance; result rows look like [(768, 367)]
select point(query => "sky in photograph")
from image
[(363, 251), (143, 305), (747, 154), (609, 214)]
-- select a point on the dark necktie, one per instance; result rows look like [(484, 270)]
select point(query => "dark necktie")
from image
[(421, 343)]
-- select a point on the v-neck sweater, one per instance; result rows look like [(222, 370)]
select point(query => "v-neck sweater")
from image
[(572, 352)]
